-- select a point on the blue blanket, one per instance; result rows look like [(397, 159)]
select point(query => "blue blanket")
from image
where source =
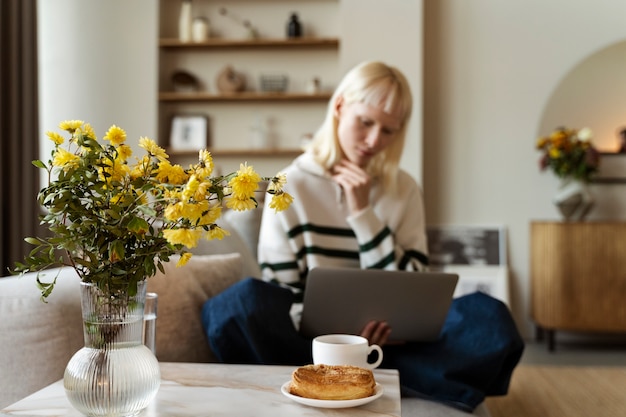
[(479, 346)]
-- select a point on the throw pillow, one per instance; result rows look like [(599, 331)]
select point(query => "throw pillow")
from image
[(181, 293)]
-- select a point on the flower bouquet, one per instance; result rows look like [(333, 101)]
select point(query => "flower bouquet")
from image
[(115, 222)]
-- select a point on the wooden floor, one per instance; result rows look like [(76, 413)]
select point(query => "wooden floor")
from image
[(563, 391)]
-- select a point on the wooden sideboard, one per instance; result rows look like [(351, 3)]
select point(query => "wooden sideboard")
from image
[(578, 277)]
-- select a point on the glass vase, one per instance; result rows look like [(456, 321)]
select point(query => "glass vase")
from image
[(114, 374)]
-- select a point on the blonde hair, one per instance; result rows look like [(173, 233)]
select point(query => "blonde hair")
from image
[(376, 84)]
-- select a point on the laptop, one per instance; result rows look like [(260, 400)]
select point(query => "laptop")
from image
[(343, 300)]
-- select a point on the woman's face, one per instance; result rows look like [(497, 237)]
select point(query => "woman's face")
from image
[(365, 130)]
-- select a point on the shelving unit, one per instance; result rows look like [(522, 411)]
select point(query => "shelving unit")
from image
[(285, 117), (242, 97), (299, 43)]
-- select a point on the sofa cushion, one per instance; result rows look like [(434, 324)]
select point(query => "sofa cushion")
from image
[(181, 293), (235, 242), (38, 339)]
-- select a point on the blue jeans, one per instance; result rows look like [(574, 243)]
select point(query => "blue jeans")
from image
[(479, 346)]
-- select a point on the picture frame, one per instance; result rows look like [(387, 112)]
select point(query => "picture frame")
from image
[(612, 169), (466, 245), (189, 132)]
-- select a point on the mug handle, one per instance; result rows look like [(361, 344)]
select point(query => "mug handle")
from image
[(380, 356)]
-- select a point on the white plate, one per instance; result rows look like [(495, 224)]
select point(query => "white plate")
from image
[(378, 391)]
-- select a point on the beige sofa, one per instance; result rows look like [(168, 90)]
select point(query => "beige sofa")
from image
[(37, 339)]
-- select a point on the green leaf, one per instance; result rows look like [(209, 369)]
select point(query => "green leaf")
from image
[(39, 164)]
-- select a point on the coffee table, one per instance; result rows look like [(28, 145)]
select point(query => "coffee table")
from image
[(189, 389)]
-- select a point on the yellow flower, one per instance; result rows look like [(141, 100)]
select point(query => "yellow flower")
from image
[(116, 135), (143, 168), (173, 212), (217, 232), (205, 164), (184, 258), (153, 149), (172, 174), (65, 159), (70, 125), (55, 137), (277, 183), (193, 211), (186, 237), (240, 204), (281, 201), (245, 183), (88, 131), (191, 187), (211, 215), (124, 152)]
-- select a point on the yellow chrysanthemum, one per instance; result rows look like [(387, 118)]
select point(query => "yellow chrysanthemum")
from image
[(193, 211), (55, 137), (245, 183), (88, 130), (116, 135), (240, 204), (277, 183), (171, 174), (205, 165), (153, 149), (211, 216), (173, 212), (202, 193), (124, 152), (143, 168), (184, 258), (65, 159), (281, 201), (186, 237), (70, 125), (217, 232), (191, 187)]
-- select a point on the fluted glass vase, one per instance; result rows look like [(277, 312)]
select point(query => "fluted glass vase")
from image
[(115, 374)]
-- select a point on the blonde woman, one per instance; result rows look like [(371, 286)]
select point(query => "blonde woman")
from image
[(354, 207)]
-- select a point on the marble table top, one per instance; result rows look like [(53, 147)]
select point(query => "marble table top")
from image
[(189, 389)]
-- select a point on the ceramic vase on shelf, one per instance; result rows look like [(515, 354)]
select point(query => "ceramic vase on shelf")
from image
[(573, 199), (114, 374), (185, 22)]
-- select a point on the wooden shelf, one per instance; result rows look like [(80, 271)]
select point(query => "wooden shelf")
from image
[(243, 96), (216, 43), (237, 153)]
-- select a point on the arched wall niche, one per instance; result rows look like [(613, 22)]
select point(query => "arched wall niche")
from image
[(593, 95)]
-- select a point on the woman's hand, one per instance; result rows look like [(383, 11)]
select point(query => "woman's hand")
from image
[(376, 332), (356, 184)]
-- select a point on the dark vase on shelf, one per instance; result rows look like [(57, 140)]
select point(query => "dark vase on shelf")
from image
[(294, 28)]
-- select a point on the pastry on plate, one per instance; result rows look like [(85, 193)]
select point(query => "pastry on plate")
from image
[(332, 382)]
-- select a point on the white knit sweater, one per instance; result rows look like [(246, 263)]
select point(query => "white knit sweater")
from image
[(317, 230)]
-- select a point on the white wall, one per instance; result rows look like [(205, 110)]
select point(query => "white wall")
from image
[(396, 40), (490, 69), (97, 63)]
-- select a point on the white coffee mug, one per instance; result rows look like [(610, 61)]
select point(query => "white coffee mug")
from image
[(345, 349)]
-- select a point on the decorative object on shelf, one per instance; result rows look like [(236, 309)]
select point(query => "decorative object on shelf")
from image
[(314, 86), (116, 223), (573, 199), (573, 158), (294, 28), (185, 21), (114, 357), (622, 141), (185, 82), (259, 135), (189, 132), (230, 81), (274, 83), (251, 31), (200, 29)]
